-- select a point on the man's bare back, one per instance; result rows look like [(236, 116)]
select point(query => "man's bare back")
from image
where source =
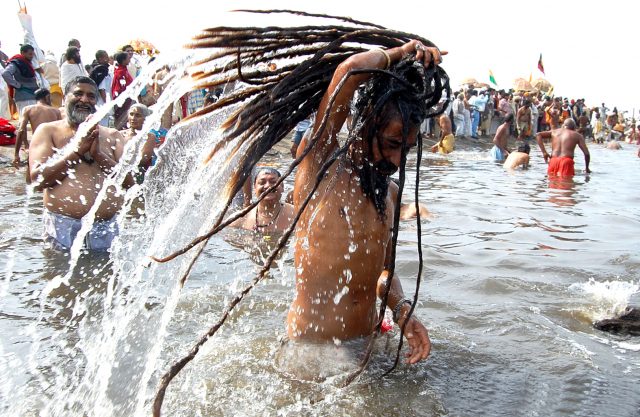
[(34, 116), (40, 113), (564, 142)]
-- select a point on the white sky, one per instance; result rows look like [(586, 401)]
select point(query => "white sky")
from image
[(589, 49)]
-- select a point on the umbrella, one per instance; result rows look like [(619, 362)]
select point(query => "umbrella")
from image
[(141, 45), (541, 84), (520, 84), (469, 81)]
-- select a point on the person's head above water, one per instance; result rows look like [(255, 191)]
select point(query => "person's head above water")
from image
[(81, 96), (388, 112), (266, 177)]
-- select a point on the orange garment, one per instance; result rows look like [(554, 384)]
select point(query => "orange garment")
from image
[(561, 166)]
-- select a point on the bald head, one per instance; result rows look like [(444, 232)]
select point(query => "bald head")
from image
[(569, 124)]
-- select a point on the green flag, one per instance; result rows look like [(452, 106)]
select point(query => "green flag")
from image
[(492, 78)]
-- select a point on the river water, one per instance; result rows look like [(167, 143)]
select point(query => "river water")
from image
[(515, 274)]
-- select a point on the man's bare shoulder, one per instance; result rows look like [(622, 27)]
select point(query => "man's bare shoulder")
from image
[(51, 126), (110, 133)]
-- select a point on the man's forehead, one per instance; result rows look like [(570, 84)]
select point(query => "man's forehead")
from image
[(84, 87), (267, 174)]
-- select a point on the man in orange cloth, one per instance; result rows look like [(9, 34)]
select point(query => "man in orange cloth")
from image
[(563, 145)]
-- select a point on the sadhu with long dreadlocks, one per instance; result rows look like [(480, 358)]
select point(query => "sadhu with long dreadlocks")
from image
[(343, 239), (346, 209)]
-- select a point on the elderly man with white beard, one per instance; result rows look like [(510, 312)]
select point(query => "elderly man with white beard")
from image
[(71, 184)]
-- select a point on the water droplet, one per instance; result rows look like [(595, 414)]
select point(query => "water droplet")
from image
[(352, 247), (344, 291)]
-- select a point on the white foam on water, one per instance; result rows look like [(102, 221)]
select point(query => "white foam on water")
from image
[(609, 298)]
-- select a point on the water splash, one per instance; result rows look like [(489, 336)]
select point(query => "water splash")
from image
[(609, 298)]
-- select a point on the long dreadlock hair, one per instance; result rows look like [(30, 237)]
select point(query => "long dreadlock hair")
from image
[(273, 102)]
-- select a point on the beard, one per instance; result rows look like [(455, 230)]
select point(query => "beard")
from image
[(385, 168), (375, 183), (78, 113)]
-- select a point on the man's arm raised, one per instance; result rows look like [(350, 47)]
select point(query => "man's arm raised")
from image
[(339, 110), (114, 146)]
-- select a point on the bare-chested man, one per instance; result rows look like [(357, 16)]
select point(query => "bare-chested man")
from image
[(563, 145), (35, 115), (447, 141), (499, 152), (343, 239), (72, 183), (519, 158), (524, 120), (270, 215), (583, 125), (552, 115)]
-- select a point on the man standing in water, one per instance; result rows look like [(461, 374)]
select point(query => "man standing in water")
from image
[(563, 145), (72, 178), (39, 113), (343, 239), (499, 152)]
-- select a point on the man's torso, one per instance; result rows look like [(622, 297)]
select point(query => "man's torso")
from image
[(77, 192), (341, 242)]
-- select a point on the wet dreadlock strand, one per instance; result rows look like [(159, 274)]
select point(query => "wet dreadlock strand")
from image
[(420, 257), (284, 88), (306, 14), (392, 263), (219, 225)]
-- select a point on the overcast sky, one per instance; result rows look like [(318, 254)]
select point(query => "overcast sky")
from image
[(587, 52)]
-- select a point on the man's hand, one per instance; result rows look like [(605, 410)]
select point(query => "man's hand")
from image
[(86, 143), (418, 339), (424, 54)]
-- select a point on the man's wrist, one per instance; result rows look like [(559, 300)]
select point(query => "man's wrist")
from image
[(397, 316)]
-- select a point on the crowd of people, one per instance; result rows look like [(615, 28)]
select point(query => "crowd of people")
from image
[(480, 111)]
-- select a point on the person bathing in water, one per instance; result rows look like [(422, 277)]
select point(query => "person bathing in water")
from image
[(270, 215), (354, 205)]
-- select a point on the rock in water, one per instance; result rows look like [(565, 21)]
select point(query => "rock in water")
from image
[(627, 323)]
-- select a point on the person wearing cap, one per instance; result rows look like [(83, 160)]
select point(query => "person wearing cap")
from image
[(138, 113), (35, 115), (271, 215)]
